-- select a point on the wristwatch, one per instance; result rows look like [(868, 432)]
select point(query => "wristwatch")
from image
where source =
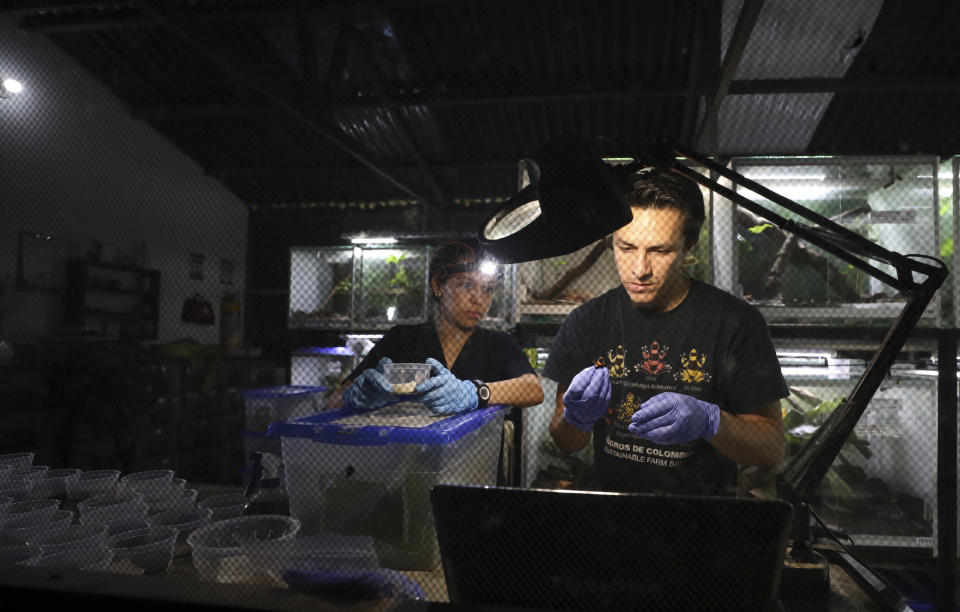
[(483, 393)]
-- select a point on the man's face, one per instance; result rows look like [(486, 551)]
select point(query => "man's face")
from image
[(649, 252)]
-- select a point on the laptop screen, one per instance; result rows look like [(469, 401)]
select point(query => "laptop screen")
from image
[(609, 551)]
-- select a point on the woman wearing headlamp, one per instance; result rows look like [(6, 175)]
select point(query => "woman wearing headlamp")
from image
[(470, 366)]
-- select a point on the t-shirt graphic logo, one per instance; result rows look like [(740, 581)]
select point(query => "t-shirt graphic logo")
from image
[(654, 359), (692, 368), (624, 413), (618, 369)]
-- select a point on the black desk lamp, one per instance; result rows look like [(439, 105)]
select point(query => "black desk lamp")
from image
[(526, 228)]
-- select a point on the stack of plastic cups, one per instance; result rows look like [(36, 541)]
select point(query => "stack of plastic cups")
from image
[(46, 484), (169, 497), (118, 511), (92, 483)]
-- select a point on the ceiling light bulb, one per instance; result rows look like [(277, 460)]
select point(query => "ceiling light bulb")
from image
[(12, 86)]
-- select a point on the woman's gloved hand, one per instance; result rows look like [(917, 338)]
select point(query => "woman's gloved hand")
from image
[(370, 390), (675, 418), (587, 397), (444, 393)]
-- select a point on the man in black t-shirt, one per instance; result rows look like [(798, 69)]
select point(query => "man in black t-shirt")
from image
[(690, 384)]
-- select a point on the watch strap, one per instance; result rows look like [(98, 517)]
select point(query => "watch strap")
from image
[(483, 392)]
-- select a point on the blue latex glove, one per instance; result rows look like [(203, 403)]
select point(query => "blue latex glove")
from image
[(674, 418), (370, 390), (444, 393), (587, 398)]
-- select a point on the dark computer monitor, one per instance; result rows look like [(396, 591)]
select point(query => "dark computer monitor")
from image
[(609, 551)]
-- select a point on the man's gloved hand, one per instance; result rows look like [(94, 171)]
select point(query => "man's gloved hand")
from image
[(444, 393), (370, 390), (674, 418), (587, 397)]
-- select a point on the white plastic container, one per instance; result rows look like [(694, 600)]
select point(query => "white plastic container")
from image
[(370, 474), (216, 544)]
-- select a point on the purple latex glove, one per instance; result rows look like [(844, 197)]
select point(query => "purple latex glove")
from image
[(674, 418), (587, 397)]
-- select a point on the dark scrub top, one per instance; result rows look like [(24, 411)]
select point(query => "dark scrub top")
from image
[(487, 355)]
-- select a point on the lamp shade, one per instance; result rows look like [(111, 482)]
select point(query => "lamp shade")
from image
[(574, 200)]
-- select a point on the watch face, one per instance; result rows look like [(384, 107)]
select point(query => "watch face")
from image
[(484, 392)]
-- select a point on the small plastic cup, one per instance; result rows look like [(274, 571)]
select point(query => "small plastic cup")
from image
[(214, 542), (5, 469), (32, 507), (18, 490), (150, 549), (118, 502), (405, 376), (94, 559), (17, 460), (20, 530), (229, 505), (90, 535), (89, 484), (4, 502), (18, 555), (185, 521), (116, 513), (50, 483), (146, 481), (184, 499), (165, 498)]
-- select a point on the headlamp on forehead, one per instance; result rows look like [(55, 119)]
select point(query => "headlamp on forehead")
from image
[(486, 266)]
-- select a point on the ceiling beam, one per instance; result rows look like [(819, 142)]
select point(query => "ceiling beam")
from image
[(706, 136), (276, 171), (280, 93)]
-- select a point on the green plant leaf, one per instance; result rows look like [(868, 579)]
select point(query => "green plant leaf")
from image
[(759, 229)]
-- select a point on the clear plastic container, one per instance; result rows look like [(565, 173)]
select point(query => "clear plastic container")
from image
[(118, 502), (89, 484), (17, 460), (214, 545), (229, 505), (185, 521), (91, 535), (166, 498), (19, 530), (18, 490), (405, 376), (87, 559), (146, 481), (51, 483), (32, 507), (150, 549), (178, 499), (4, 502), (22, 474), (117, 519), (5, 469), (18, 555)]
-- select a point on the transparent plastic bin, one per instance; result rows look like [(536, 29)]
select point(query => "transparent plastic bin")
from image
[(321, 366), (283, 403), (370, 473), (405, 376), (150, 549), (216, 544), (226, 506), (91, 483)]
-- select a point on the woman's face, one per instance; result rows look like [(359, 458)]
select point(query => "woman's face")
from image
[(465, 297)]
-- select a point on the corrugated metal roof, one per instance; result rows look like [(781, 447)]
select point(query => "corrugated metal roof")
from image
[(340, 102)]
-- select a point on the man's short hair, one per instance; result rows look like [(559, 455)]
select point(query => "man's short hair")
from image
[(661, 188)]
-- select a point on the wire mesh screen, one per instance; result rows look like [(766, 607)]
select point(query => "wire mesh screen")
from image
[(248, 326)]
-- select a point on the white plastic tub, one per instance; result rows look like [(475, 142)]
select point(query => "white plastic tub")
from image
[(370, 474)]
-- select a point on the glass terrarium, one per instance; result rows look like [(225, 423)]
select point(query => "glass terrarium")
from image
[(321, 287), (881, 489), (392, 286), (890, 200)]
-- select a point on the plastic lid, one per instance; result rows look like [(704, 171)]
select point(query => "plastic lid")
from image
[(323, 350), (320, 428), (282, 391)]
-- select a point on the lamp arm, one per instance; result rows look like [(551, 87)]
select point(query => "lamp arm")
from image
[(804, 473)]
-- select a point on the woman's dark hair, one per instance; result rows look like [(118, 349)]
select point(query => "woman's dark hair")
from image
[(660, 188), (450, 257)]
